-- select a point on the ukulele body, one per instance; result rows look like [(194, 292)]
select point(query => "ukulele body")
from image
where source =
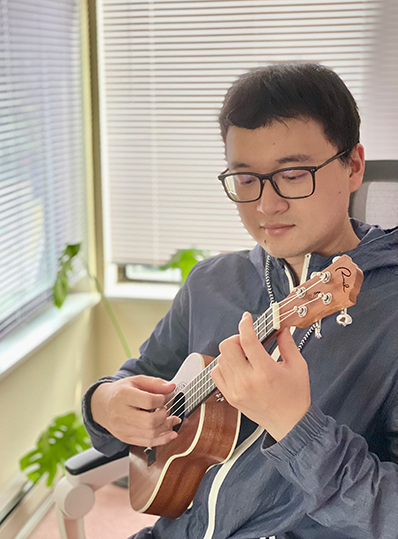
[(164, 481)]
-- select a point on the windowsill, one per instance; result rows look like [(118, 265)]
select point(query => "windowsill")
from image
[(16, 347), (154, 291)]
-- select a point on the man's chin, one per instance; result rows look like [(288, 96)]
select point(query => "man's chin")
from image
[(281, 251)]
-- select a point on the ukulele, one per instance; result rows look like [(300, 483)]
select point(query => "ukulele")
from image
[(164, 479)]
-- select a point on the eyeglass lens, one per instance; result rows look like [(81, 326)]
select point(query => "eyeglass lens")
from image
[(294, 183)]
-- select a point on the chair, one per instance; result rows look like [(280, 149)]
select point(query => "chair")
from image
[(376, 201), (74, 494)]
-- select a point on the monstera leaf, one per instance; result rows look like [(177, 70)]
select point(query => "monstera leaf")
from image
[(65, 437)]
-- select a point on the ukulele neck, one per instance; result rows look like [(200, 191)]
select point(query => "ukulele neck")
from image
[(202, 386)]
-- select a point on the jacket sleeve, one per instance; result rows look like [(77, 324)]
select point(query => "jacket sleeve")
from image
[(161, 355), (345, 487)]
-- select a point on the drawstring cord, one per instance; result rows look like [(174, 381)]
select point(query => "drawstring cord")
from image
[(272, 300)]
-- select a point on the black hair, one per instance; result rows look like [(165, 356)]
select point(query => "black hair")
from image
[(285, 91)]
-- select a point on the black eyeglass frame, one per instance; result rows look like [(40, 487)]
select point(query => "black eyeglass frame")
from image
[(263, 177)]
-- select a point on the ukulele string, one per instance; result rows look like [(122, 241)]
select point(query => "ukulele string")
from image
[(286, 301), (293, 311), (196, 390), (194, 394), (260, 321), (195, 387), (190, 389), (259, 325)]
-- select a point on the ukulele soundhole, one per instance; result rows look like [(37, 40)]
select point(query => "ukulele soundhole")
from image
[(178, 409)]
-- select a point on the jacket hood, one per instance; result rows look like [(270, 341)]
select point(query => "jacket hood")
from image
[(377, 248)]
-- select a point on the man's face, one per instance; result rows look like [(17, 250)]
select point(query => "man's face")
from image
[(291, 228)]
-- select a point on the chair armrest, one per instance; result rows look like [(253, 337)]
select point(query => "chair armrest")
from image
[(92, 460), (74, 494)]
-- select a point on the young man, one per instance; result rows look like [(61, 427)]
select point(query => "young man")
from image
[(317, 454)]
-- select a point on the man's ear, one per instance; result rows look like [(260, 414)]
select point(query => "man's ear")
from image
[(357, 167)]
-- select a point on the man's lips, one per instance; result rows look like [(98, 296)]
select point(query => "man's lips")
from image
[(276, 229)]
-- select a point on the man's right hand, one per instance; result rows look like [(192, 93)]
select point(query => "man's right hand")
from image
[(125, 407)]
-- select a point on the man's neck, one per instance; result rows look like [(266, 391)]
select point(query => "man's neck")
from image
[(296, 264)]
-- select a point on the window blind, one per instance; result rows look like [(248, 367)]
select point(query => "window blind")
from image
[(42, 189), (166, 66)]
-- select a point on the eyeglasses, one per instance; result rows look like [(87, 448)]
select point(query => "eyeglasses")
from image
[(297, 182)]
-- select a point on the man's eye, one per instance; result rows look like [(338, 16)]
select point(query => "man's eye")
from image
[(295, 174), (247, 180)]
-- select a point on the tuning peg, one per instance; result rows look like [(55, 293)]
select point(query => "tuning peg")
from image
[(323, 275), (344, 319)]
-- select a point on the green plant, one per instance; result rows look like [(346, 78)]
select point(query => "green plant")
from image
[(61, 290), (66, 434), (61, 286), (185, 260), (64, 437)]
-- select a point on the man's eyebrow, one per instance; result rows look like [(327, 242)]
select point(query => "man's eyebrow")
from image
[(237, 165), (293, 158)]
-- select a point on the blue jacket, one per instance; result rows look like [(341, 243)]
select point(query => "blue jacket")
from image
[(335, 475)]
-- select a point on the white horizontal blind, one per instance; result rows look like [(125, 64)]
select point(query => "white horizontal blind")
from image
[(42, 193), (166, 66)]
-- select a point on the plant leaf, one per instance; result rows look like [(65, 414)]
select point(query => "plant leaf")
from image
[(185, 260), (64, 281), (72, 250), (58, 292), (67, 266), (61, 285), (65, 437)]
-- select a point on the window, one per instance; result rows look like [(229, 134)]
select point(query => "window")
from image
[(165, 67), (42, 185)]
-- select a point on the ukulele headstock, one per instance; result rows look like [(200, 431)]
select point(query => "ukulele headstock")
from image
[(327, 292)]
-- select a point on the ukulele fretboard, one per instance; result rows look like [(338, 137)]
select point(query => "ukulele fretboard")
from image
[(202, 386)]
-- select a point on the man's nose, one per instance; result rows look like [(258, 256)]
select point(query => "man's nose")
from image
[(270, 202)]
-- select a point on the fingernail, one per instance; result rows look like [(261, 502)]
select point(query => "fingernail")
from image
[(245, 315)]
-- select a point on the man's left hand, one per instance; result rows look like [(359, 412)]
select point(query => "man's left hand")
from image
[(276, 395)]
